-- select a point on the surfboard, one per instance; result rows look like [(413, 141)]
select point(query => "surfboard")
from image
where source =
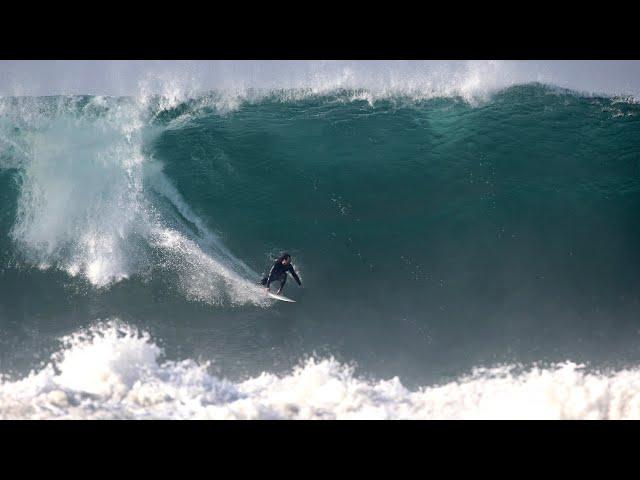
[(280, 297)]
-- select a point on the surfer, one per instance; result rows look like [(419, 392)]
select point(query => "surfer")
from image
[(279, 271)]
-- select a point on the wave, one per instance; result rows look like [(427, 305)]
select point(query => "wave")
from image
[(504, 229), (112, 370), (96, 203)]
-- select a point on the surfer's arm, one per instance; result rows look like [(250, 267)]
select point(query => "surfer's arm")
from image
[(295, 275)]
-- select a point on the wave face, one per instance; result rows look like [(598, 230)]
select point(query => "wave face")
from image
[(435, 233)]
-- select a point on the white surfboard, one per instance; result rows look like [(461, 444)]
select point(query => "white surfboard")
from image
[(280, 297)]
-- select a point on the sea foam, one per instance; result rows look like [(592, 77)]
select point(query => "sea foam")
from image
[(112, 370), (87, 199)]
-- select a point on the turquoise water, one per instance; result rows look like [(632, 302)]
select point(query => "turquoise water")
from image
[(432, 236)]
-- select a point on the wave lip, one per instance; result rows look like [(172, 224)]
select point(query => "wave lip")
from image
[(130, 78), (114, 371)]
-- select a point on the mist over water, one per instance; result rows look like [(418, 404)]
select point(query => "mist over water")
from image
[(133, 78), (466, 240)]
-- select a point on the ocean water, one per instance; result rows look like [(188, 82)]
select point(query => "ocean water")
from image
[(462, 256)]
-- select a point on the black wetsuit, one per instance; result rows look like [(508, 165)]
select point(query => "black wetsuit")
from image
[(279, 273)]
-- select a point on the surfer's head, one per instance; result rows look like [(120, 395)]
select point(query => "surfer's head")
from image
[(285, 259)]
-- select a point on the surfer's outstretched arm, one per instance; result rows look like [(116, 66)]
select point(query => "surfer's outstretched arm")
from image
[(295, 275)]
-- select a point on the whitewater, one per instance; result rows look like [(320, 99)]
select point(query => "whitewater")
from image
[(111, 371)]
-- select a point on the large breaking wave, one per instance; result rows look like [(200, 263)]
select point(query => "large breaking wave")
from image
[(502, 221)]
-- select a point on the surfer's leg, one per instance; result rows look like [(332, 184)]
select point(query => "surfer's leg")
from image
[(283, 280)]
